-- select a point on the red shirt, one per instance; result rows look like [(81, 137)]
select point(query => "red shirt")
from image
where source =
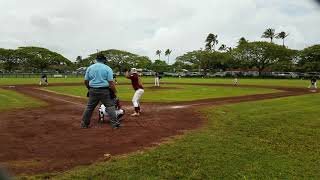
[(135, 81)]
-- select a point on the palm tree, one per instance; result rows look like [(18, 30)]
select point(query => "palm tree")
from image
[(242, 41), (269, 33), (212, 41), (158, 52), (282, 36), (167, 53), (223, 47)]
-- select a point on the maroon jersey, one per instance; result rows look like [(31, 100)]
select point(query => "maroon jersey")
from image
[(135, 81)]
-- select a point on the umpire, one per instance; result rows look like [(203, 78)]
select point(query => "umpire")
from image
[(99, 81)]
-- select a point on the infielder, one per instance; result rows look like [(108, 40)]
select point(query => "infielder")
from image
[(157, 79), (43, 80), (313, 83), (137, 86), (235, 81)]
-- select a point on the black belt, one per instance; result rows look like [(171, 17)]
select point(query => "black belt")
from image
[(99, 87)]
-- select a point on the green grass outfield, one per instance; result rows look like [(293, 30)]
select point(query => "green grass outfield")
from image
[(182, 93), (271, 139), (12, 100), (268, 82)]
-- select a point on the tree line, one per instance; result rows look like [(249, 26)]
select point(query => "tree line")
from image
[(32, 59), (251, 56), (258, 56)]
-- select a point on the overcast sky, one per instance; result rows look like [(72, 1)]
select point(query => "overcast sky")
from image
[(79, 27)]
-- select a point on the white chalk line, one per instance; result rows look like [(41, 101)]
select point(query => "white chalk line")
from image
[(63, 100)]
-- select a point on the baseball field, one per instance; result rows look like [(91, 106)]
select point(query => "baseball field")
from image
[(188, 129)]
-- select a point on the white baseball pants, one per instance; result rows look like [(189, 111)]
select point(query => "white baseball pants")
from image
[(136, 97), (156, 81)]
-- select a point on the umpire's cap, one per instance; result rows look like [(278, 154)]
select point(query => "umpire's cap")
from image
[(101, 58)]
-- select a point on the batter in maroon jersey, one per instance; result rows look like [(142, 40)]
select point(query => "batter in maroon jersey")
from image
[(137, 86)]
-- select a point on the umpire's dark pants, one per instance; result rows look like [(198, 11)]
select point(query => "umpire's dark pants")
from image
[(95, 96)]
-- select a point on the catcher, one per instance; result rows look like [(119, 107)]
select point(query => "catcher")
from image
[(119, 111)]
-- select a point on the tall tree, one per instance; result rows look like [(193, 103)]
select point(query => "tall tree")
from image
[(79, 59), (167, 53), (242, 41), (159, 66), (269, 34), (9, 59), (282, 35), (211, 42), (158, 53), (309, 59), (41, 59), (260, 55), (120, 60), (206, 60)]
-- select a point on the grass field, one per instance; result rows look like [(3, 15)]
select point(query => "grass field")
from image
[(271, 139), (11, 99), (182, 93), (268, 82)]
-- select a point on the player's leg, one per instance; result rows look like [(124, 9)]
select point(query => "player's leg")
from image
[(110, 108), (136, 101), (315, 85), (102, 113), (91, 105), (120, 113)]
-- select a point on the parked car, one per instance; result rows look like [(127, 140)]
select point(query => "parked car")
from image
[(284, 74), (312, 74), (147, 73), (194, 74), (220, 74), (251, 73), (300, 75), (171, 74)]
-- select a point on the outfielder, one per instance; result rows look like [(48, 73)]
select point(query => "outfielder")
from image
[(137, 86)]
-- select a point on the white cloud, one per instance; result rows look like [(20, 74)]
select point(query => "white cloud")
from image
[(79, 27)]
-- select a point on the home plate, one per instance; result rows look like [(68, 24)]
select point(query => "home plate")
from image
[(313, 91)]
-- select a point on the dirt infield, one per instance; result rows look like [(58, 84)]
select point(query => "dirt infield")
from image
[(49, 139)]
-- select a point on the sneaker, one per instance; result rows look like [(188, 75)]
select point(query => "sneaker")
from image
[(135, 114), (84, 127)]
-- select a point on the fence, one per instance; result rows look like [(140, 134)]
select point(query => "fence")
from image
[(38, 75)]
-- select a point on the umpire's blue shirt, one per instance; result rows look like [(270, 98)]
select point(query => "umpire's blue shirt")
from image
[(98, 75)]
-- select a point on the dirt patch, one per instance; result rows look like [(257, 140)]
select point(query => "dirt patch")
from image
[(49, 139), (161, 88)]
